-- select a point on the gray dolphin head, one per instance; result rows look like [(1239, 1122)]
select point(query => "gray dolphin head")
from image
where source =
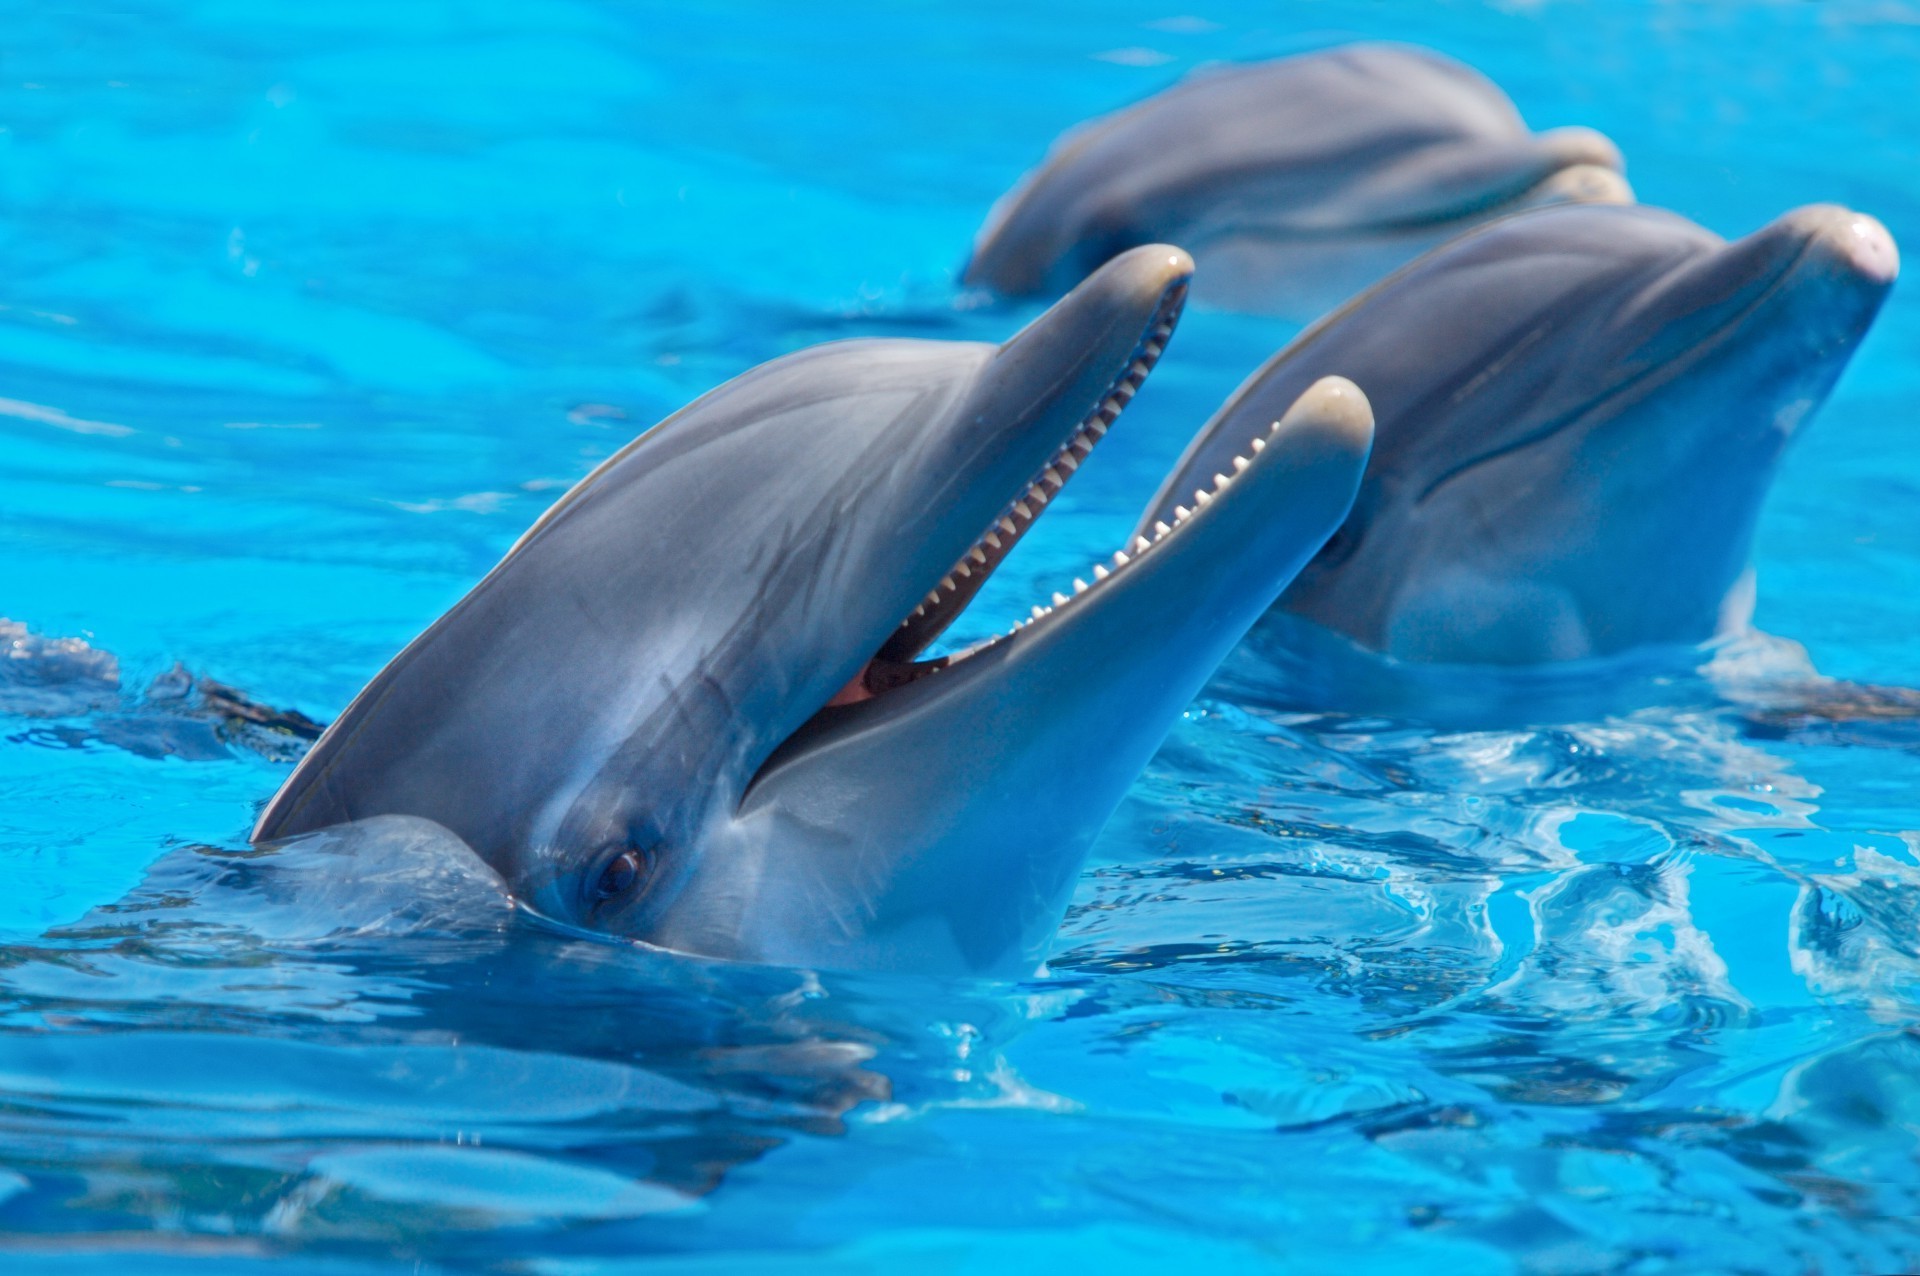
[(686, 707), (1293, 182), (1580, 410)]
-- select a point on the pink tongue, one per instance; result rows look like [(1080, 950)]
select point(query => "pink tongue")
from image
[(855, 691)]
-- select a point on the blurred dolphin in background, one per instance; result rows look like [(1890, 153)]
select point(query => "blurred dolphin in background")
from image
[(1292, 182), (1580, 410), (688, 707)]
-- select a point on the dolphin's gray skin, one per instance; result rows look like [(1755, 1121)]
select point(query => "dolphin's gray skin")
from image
[(1293, 182), (1580, 410), (685, 707)]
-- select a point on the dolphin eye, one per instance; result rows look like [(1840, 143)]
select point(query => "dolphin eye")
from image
[(623, 873)]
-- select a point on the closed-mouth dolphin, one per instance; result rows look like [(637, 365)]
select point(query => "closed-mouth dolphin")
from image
[(1293, 182), (687, 706), (1580, 410)]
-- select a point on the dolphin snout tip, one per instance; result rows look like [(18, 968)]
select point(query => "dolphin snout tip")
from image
[(1870, 248), (1856, 242), (1576, 144), (1336, 411)]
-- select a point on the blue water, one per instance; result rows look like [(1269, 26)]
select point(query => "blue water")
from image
[(307, 310)]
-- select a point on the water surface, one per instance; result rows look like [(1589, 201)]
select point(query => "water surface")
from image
[(309, 310)]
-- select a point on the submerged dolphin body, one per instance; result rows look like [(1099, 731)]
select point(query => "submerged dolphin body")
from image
[(686, 707), (1293, 182), (1580, 410)]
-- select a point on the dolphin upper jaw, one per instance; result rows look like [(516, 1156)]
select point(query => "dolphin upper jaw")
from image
[(1122, 316)]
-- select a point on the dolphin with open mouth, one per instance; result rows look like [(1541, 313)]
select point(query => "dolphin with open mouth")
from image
[(1293, 182), (1580, 411), (690, 705)]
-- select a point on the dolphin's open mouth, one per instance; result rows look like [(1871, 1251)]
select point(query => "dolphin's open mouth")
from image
[(1321, 437), (894, 665)]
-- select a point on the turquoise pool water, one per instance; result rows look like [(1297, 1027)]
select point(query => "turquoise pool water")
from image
[(307, 310)]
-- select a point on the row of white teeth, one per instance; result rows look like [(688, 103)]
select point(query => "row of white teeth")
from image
[(1141, 544), (1020, 515)]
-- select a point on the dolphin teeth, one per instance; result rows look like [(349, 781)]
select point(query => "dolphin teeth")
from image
[(947, 583), (1202, 497), (1100, 572), (1160, 529), (1097, 428), (961, 569), (1141, 543), (1121, 558), (977, 554), (1080, 586), (1181, 513), (1259, 444), (1220, 481), (921, 610), (1059, 599), (1054, 476), (1020, 507), (1068, 462), (993, 539), (1039, 611), (1037, 496), (1239, 463), (1006, 525)]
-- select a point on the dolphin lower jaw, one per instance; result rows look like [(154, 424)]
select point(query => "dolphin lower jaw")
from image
[(1045, 726)]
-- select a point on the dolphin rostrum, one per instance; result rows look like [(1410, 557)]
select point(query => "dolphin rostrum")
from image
[(1580, 410), (1293, 182), (688, 706)]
